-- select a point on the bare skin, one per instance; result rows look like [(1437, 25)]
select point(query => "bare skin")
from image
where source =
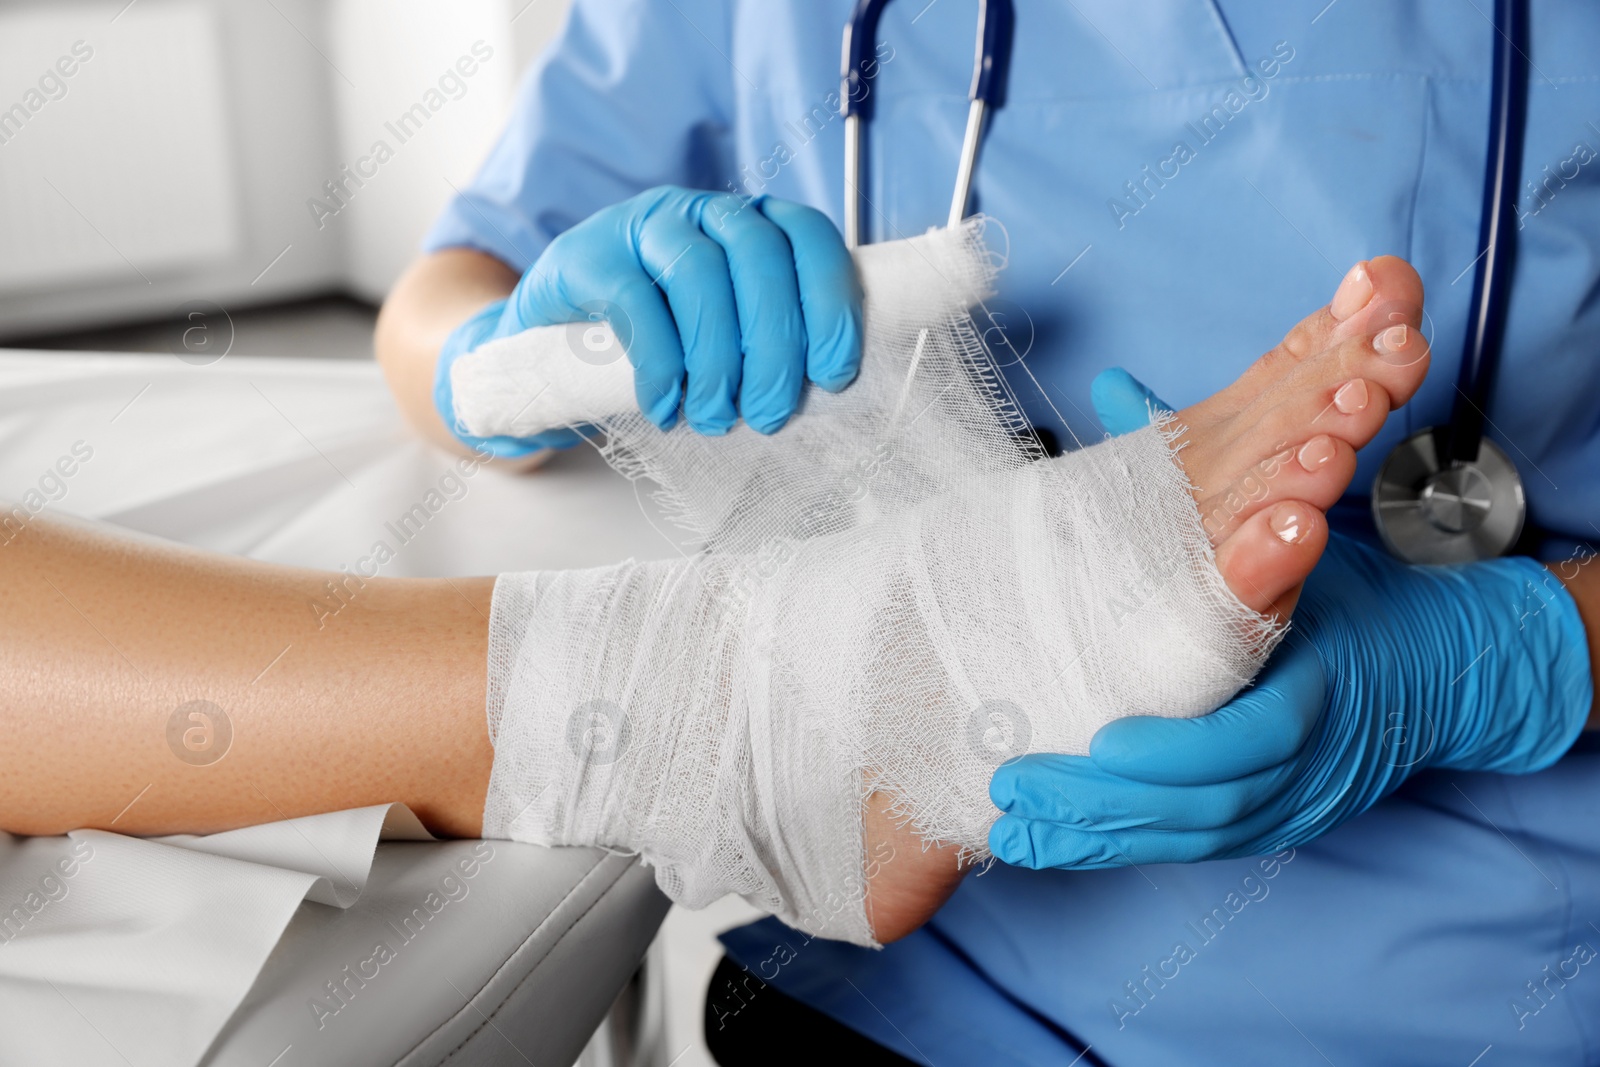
[(103, 638), (438, 293)]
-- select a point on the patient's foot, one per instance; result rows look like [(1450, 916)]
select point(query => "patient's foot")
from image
[(1266, 456)]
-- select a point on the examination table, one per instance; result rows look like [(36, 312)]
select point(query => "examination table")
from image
[(307, 462)]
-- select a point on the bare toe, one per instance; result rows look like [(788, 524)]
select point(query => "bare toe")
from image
[(1373, 294), (1396, 297), (1305, 410), (1316, 472), (1271, 553)]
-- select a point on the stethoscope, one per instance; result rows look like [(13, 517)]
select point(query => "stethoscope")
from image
[(855, 104), (1446, 494)]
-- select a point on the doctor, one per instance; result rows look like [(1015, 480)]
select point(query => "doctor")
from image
[(1177, 180)]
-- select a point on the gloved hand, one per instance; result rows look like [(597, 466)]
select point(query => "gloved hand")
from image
[(1389, 669), (724, 305)]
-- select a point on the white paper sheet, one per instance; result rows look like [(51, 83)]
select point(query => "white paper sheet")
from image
[(119, 950)]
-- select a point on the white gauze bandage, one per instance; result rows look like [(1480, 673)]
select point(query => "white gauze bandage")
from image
[(895, 593)]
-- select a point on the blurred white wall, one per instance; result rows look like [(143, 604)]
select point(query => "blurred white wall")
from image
[(182, 158), (405, 56)]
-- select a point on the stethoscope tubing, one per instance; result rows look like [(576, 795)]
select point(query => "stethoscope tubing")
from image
[(986, 93), (1453, 447), (1497, 235)]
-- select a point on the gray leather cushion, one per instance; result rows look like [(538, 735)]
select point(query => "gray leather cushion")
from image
[(459, 952)]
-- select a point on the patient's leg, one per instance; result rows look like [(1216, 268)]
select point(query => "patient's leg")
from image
[(103, 640), (1266, 456)]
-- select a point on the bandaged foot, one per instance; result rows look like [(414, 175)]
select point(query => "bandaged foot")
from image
[(1265, 457), (895, 596)]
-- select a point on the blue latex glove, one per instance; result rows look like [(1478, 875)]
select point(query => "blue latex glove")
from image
[(1390, 669), (723, 306)]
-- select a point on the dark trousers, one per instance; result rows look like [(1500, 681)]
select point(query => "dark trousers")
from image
[(749, 1023)]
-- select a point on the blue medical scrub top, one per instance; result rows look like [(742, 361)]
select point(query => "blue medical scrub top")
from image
[(1175, 183)]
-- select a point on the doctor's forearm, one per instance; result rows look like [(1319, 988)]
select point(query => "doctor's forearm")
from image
[(1583, 582), (436, 294), (107, 644)]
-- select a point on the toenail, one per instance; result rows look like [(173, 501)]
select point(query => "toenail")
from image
[(1290, 523), (1353, 294), (1351, 397), (1392, 340), (1317, 452)]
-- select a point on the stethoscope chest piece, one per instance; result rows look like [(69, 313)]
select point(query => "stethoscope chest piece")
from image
[(1449, 494), (1428, 512)]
